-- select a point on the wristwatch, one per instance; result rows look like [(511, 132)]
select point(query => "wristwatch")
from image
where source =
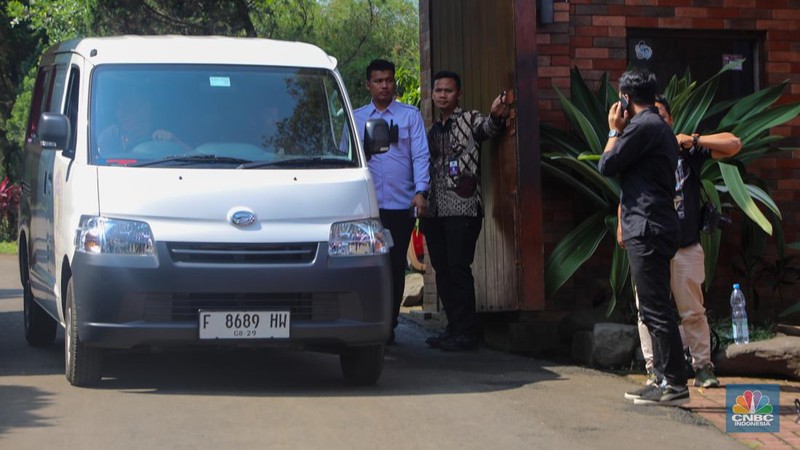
[(695, 140), (613, 133), (424, 194)]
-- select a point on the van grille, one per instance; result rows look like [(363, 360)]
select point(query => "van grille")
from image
[(301, 253), (184, 307)]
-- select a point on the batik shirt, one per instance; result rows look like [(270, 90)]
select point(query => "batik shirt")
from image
[(455, 163)]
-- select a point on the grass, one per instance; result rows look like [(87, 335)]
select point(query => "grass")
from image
[(8, 248)]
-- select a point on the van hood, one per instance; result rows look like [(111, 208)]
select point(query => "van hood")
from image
[(192, 205)]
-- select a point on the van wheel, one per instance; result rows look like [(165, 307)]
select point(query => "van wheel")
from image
[(40, 328), (362, 366), (82, 363)]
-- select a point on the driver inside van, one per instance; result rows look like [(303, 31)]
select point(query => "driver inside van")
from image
[(133, 126)]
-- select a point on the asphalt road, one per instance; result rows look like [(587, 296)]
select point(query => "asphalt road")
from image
[(289, 399)]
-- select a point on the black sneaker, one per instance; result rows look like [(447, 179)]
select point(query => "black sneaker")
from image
[(434, 341), (668, 396), (459, 343), (633, 395), (704, 377)]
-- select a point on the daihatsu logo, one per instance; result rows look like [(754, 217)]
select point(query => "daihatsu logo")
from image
[(242, 218)]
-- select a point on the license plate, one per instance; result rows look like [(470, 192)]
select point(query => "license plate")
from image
[(244, 324)]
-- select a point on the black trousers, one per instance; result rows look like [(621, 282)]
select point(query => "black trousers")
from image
[(649, 258), (400, 224), (451, 247)]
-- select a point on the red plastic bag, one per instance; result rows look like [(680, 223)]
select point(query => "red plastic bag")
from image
[(417, 241)]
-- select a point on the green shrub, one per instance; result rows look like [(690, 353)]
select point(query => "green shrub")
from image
[(8, 248), (759, 331)]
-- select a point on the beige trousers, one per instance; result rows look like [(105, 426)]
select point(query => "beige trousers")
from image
[(687, 273)]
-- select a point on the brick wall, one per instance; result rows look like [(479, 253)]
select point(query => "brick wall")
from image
[(591, 35)]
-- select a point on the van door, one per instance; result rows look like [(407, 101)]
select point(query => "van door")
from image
[(43, 279), (35, 186)]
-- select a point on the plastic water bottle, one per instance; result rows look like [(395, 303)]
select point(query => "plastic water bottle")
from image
[(741, 334)]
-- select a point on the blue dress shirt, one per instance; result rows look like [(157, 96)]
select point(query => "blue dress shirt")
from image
[(403, 170)]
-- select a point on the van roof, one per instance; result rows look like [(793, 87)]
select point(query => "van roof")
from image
[(196, 49)]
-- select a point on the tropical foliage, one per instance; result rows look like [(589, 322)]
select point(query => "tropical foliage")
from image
[(571, 157), (353, 31)]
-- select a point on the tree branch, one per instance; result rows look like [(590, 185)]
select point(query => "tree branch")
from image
[(169, 19), (363, 38)]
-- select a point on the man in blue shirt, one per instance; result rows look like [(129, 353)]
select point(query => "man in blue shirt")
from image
[(401, 174)]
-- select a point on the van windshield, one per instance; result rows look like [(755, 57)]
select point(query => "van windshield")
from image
[(205, 116)]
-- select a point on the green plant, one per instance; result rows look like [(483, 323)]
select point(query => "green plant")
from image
[(759, 331), (8, 248), (408, 85), (785, 271), (571, 157)]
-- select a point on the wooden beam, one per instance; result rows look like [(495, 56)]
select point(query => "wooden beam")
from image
[(529, 204)]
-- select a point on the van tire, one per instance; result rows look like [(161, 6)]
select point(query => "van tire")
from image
[(362, 366), (40, 328), (82, 363)]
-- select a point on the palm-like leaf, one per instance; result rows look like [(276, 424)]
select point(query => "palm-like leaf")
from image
[(740, 194), (694, 108), (582, 125), (752, 128), (620, 268), (607, 95), (608, 187), (558, 140), (574, 250), (576, 182), (744, 108), (572, 158), (710, 241), (585, 100)]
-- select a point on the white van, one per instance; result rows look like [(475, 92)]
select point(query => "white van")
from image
[(200, 191)]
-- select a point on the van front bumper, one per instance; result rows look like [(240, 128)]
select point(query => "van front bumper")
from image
[(127, 301)]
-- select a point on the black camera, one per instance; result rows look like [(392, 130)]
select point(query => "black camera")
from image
[(712, 219), (394, 133)]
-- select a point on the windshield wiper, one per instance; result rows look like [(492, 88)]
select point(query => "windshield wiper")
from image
[(193, 159), (309, 161)]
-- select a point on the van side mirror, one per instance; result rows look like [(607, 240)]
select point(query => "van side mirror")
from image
[(53, 131), (376, 137)]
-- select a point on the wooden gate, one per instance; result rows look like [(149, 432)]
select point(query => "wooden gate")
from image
[(493, 49)]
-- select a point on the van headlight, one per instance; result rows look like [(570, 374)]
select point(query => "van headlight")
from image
[(360, 237), (97, 235)]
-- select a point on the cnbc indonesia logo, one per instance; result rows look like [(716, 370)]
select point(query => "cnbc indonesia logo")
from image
[(752, 411), (750, 407)]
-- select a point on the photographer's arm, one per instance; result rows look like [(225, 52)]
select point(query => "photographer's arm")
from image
[(721, 145)]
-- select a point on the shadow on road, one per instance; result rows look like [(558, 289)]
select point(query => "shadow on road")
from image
[(10, 293), (19, 407), (410, 369)]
